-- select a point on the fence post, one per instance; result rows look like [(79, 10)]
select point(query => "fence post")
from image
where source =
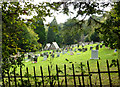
[(51, 83), (27, 73), (99, 73), (35, 77), (89, 73), (82, 75), (21, 75), (118, 68), (57, 76), (65, 75), (74, 75), (3, 78), (79, 80), (42, 75), (15, 78), (109, 73), (8, 78)]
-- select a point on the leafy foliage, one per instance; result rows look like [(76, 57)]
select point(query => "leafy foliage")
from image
[(53, 34), (110, 28), (40, 30), (18, 33)]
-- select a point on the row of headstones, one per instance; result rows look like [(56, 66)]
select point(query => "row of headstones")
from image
[(63, 51), (97, 47), (58, 52), (33, 57)]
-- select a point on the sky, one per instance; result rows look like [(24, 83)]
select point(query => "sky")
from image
[(61, 18)]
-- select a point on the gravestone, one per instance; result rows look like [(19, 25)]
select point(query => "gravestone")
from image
[(80, 50), (42, 54), (91, 47), (36, 58), (50, 52), (115, 50), (52, 55), (38, 55), (75, 50), (100, 46), (29, 56), (71, 53), (102, 42), (94, 54), (92, 42), (58, 54), (26, 55), (78, 53), (66, 51), (63, 52), (82, 45), (47, 54), (70, 49), (85, 49), (45, 57), (97, 47)]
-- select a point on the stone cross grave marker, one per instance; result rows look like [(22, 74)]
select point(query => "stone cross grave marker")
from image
[(94, 54)]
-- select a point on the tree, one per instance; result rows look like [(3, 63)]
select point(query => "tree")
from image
[(110, 27), (95, 37), (51, 31), (58, 36), (70, 31), (40, 30), (18, 35)]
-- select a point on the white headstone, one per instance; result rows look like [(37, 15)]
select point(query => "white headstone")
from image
[(94, 54), (58, 54), (38, 55), (63, 52), (26, 55), (45, 57), (102, 42), (78, 53)]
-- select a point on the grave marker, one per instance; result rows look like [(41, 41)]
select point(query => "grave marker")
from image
[(83, 49), (97, 47), (100, 46), (52, 55), (91, 47), (80, 50), (94, 54), (45, 57), (78, 53)]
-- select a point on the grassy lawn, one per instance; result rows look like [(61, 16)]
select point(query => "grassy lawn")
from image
[(104, 53)]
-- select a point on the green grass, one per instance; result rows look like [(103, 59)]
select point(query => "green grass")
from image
[(104, 54)]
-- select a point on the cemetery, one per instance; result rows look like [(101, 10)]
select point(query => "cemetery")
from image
[(49, 44), (75, 54), (59, 57)]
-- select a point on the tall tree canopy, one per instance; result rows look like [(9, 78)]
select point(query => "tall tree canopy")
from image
[(71, 31), (110, 28), (18, 35), (40, 30), (51, 31)]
